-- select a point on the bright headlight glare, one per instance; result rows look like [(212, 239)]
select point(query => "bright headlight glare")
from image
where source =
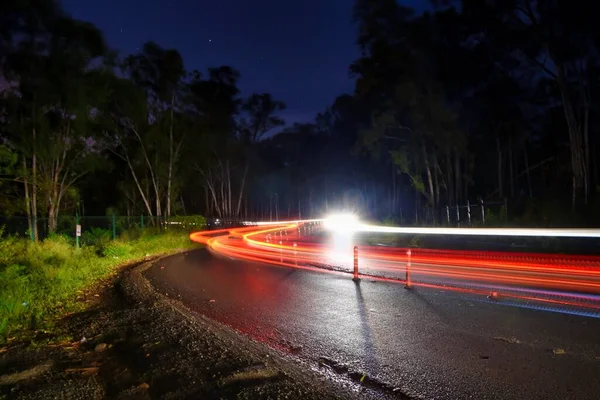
[(341, 223)]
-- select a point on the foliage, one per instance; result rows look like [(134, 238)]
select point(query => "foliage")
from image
[(469, 100), (40, 281)]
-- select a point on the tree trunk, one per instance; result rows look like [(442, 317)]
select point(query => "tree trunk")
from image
[(457, 177), (437, 191), (182, 205), (586, 143), (466, 179), (154, 178), (171, 161), (145, 198), (52, 209), (586, 150), (34, 189), (595, 167), (27, 199), (429, 176), (417, 194), (222, 190), (157, 199), (499, 166), (436, 180), (239, 205), (393, 205), (229, 197), (528, 174), (577, 163), (207, 203), (511, 169), (450, 187), (51, 218)]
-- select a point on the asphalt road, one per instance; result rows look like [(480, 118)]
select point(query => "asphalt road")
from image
[(430, 343)]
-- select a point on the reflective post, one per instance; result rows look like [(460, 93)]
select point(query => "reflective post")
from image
[(355, 263), (408, 283)]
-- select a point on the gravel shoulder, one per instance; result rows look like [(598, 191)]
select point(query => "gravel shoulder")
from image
[(133, 343)]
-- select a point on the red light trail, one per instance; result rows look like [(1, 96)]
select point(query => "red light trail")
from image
[(567, 280)]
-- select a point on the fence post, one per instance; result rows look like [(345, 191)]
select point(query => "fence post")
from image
[(482, 212), (114, 227), (408, 284), (142, 221), (448, 214), (469, 211), (355, 263)]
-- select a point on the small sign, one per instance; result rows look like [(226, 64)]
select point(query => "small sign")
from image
[(78, 230)]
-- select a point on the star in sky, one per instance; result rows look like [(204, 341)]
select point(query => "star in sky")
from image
[(309, 43)]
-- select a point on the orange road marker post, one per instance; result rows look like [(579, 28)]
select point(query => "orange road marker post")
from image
[(355, 278), (408, 284)]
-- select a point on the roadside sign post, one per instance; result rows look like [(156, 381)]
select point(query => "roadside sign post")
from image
[(77, 230)]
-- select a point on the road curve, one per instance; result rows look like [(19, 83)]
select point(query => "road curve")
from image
[(560, 280), (430, 342)]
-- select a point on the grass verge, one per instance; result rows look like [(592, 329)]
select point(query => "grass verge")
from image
[(40, 282)]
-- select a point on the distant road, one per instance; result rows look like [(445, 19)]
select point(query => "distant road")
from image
[(430, 343)]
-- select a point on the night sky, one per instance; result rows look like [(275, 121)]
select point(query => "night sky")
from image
[(298, 50)]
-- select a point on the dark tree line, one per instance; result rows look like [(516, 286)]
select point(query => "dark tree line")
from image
[(486, 100), (479, 99)]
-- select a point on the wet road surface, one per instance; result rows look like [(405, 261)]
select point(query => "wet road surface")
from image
[(430, 343)]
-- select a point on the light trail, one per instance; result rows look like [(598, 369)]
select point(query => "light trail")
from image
[(560, 280), (526, 232)]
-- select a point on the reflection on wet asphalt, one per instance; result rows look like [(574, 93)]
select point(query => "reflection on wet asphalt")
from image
[(431, 343)]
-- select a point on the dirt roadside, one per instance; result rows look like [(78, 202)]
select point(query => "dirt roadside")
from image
[(133, 343)]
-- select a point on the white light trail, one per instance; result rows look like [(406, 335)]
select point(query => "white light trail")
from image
[(530, 232)]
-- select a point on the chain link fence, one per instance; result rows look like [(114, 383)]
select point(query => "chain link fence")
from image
[(94, 228)]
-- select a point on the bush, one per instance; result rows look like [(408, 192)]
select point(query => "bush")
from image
[(38, 281), (96, 237), (11, 249), (117, 249)]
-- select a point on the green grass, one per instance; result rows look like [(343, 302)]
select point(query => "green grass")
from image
[(39, 282)]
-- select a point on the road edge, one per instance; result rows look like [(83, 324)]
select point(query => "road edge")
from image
[(135, 286)]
